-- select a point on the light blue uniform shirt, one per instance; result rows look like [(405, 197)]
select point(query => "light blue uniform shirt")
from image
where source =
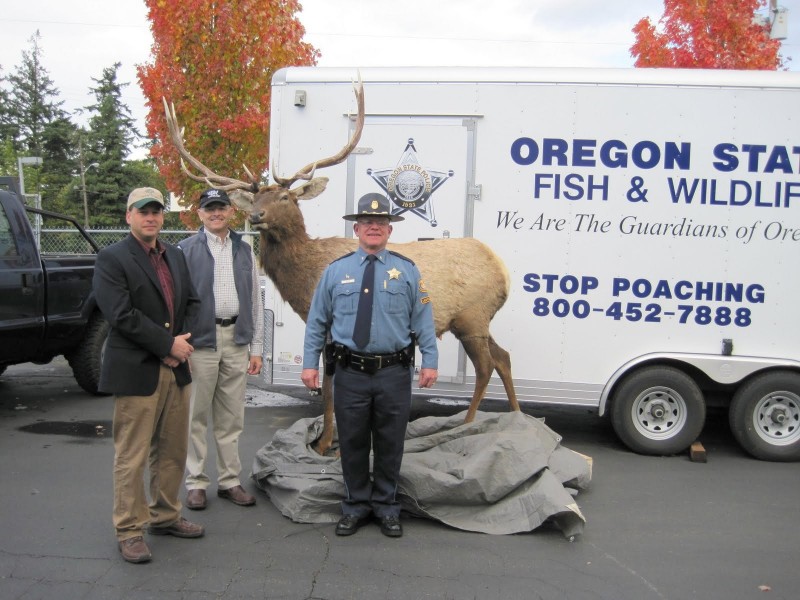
[(401, 305)]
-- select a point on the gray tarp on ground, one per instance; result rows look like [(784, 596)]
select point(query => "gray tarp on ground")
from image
[(503, 473)]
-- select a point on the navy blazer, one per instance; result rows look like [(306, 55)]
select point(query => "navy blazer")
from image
[(129, 296)]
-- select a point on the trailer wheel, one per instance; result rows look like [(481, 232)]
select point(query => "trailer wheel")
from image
[(87, 357), (658, 410), (765, 416)]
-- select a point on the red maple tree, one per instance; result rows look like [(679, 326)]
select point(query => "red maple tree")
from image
[(707, 34), (214, 60)]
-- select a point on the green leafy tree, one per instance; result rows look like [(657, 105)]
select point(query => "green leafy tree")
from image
[(709, 34), (214, 61)]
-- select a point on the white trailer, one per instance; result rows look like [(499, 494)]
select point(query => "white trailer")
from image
[(650, 221)]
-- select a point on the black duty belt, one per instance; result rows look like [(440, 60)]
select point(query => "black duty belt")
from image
[(366, 363), (226, 322)]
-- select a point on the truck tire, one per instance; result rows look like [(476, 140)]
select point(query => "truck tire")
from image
[(87, 358), (765, 416), (658, 410)]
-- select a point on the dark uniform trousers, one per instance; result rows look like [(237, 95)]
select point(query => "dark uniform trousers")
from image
[(372, 408)]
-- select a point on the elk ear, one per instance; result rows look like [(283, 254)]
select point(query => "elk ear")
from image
[(311, 189), (242, 199)]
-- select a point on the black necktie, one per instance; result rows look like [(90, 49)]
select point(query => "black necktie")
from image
[(364, 314)]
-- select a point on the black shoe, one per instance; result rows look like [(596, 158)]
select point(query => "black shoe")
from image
[(390, 526), (349, 524)]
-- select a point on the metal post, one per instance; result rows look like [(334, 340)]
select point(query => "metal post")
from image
[(34, 161), (85, 201), (83, 191)]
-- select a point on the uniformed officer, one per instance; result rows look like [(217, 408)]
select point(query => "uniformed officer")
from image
[(372, 323)]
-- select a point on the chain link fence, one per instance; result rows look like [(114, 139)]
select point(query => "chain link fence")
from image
[(69, 240), (59, 236)]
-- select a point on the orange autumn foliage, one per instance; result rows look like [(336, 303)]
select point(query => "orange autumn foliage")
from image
[(214, 60), (707, 34)]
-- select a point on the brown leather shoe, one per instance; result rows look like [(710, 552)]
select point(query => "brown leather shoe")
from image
[(134, 550), (237, 495), (180, 528), (196, 499)]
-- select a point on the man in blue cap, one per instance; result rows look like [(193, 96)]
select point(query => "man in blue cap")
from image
[(228, 337)]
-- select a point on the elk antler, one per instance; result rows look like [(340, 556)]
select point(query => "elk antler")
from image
[(209, 177), (307, 172)]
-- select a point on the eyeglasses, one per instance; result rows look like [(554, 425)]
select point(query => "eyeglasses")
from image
[(370, 222)]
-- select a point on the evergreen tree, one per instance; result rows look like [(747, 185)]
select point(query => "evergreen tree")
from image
[(43, 128), (111, 134), (33, 102), (8, 131)]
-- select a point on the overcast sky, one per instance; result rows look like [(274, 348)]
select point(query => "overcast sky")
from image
[(79, 38)]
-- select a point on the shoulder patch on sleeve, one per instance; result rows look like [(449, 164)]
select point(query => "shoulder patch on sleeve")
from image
[(398, 255)]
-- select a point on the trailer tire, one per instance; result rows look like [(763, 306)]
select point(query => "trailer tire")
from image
[(87, 358), (658, 411), (765, 416)]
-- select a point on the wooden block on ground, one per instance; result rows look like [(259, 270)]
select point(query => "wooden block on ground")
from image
[(697, 453)]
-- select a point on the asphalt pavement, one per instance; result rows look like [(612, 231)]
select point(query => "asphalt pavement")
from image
[(657, 527)]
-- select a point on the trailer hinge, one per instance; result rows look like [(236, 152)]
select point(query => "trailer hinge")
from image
[(474, 192)]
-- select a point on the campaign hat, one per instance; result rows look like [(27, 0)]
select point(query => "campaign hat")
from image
[(373, 205)]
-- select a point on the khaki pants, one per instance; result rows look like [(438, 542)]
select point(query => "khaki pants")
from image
[(149, 430), (219, 379)]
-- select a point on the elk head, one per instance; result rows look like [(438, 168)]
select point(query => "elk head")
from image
[(273, 209)]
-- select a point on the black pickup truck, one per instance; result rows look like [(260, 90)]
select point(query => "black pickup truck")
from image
[(46, 303)]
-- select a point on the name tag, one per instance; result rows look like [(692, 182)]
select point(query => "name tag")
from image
[(348, 280)]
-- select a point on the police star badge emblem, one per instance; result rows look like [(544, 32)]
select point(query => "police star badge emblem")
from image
[(410, 185)]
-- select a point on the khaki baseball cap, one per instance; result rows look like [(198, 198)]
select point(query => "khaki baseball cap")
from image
[(141, 197)]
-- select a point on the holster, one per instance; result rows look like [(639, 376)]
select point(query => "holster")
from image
[(408, 354), (330, 358)]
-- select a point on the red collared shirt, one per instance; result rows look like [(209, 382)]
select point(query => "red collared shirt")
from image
[(156, 256)]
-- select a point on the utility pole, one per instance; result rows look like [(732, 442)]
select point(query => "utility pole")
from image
[(83, 184), (778, 21)]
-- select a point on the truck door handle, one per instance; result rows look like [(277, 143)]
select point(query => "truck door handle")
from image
[(27, 290)]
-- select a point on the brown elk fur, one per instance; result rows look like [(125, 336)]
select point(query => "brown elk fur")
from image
[(466, 281)]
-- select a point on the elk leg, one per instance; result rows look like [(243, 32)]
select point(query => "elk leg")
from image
[(502, 364), (477, 349), (325, 441)]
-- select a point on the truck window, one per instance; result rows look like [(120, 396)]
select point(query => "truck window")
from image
[(8, 246)]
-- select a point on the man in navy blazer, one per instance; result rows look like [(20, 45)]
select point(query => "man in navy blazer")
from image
[(143, 289)]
